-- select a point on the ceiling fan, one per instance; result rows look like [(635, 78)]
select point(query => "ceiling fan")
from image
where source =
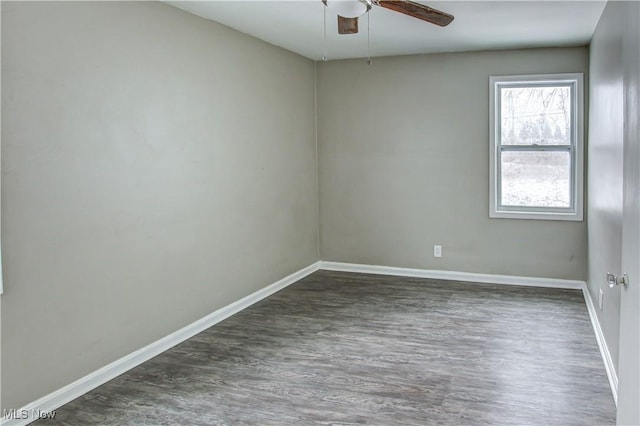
[(349, 10)]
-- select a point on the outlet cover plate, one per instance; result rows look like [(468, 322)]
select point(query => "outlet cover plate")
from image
[(601, 299)]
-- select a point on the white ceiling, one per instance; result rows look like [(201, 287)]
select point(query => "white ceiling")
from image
[(478, 25)]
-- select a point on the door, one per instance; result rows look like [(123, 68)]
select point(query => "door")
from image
[(629, 354)]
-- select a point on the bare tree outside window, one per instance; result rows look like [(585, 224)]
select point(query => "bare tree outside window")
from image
[(536, 116)]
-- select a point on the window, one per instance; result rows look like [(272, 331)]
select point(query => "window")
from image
[(536, 126)]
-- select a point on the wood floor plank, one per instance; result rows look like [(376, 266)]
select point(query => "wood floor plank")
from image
[(343, 348)]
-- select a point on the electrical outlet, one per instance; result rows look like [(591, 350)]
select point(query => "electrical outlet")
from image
[(601, 299), (437, 251)]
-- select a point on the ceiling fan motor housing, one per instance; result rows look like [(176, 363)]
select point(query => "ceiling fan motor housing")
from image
[(349, 8)]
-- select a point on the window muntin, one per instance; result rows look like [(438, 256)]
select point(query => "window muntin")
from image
[(536, 147)]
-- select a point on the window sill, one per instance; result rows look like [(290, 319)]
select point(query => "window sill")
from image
[(574, 217)]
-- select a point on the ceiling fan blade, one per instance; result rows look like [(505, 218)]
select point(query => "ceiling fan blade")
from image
[(417, 10), (347, 25)]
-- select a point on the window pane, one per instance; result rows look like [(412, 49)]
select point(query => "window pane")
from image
[(536, 115), (536, 179)]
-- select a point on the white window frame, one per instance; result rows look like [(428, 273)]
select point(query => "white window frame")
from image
[(576, 211)]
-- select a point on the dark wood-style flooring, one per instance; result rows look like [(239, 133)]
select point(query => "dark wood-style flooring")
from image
[(340, 348)]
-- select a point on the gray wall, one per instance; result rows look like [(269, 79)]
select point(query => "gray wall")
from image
[(606, 164), (606, 127), (156, 167), (403, 151)]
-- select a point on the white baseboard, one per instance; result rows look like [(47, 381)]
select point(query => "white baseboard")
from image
[(452, 275), (62, 396), (602, 344)]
